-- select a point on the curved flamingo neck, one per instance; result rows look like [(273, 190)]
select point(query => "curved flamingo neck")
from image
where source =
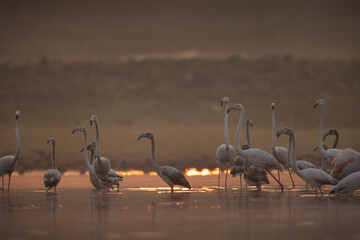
[(97, 147), (226, 128), (273, 131), (336, 140), (293, 159), (155, 164), (237, 134), (54, 160), (321, 148), (92, 157), (85, 152), (17, 154), (248, 134)]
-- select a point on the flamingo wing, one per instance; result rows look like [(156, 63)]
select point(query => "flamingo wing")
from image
[(175, 176), (346, 162)]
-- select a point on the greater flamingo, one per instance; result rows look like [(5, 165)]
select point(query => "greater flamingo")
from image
[(279, 152), (52, 176), (97, 182), (256, 177), (346, 161), (170, 175), (225, 152), (7, 163), (347, 185), (257, 157), (332, 131), (101, 165), (315, 177), (112, 174), (240, 163)]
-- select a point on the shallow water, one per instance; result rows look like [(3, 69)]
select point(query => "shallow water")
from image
[(145, 209)]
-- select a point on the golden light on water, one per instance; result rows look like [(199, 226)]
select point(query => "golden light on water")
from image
[(131, 173), (203, 172)]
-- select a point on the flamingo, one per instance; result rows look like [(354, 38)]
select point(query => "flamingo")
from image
[(346, 161), (170, 175), (332, 131), (279, 153), (256, 177), (347, 185), (52, 176), (97, 182), (101, 165), (315, 177), (112, 174), (225, 152), (239, 162), (7, 163), (257, 157)]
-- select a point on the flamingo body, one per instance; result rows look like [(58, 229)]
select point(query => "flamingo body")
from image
[(224, 155), (51, 178), (348, 184), (346, 161), (252, 176)]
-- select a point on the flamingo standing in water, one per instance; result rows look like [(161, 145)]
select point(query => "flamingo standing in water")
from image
[(347, 185), (97, 182), (170, 175), (239, 167), (279, 152), (101, 165), (346, 161), (225, 152), (315, 177), (112, 174), (257, 157), (7, 163), (52, 176)]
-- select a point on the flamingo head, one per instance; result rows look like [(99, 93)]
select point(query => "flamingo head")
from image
[(17, 115), (332, 131), (249, 123), (89, 147), (81, 129), (93, 119), (273, 106), (225, 100), (146, 135), (317, 147), (319, 102), (237, 106), (285, 130), (245, 147), (51, 140)]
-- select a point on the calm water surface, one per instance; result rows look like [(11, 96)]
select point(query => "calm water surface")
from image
[(152, 212)]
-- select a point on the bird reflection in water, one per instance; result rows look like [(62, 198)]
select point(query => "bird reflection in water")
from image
[(52, 204)]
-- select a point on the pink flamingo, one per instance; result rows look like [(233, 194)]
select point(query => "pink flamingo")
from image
[(315, 177), (257, 157), (225, 152), (346, 161), (279, 152), (347, 185)]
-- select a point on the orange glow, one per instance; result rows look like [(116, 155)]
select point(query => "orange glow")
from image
[(153, 173), (131, 173), (203, 172)]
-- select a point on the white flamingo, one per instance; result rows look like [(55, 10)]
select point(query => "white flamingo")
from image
[(257, 157), (112, 174), (347, 185), (346, 161), (239, 167), (97, 182), (315, 177), (7, 163), (279, 152), (101, 165), (225, 152), (52, 176), (170, 175)]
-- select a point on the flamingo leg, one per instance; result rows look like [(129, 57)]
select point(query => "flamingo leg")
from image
[(172, 189), (316, 191), (281, 186), (9, 183), (292, 180), (219, 177), (320, 191), (259, 187), (279, 177), (227, 167)]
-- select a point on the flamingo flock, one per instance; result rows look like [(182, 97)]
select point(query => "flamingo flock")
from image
[(253, 164)]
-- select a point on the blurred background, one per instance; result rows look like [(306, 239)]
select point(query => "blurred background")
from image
[(163, 67)]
